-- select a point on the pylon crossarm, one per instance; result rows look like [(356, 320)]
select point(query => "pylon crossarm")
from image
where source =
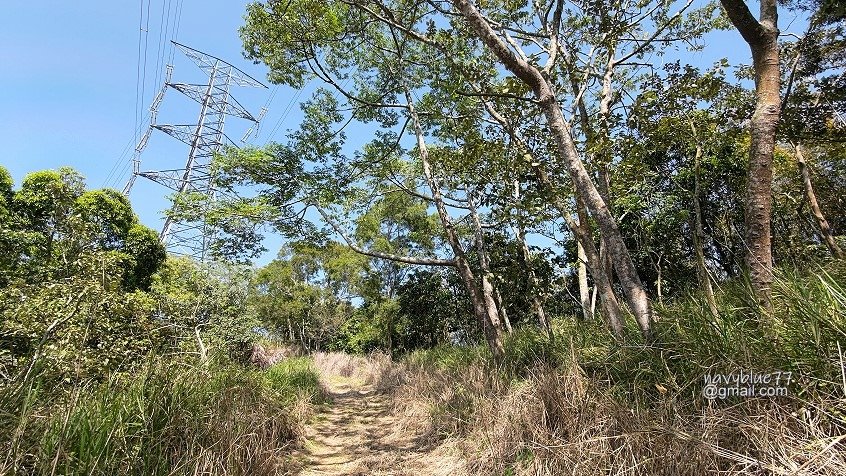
[(231, 106), (207, 62)]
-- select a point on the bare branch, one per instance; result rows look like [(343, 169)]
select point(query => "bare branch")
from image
[(657, 32)]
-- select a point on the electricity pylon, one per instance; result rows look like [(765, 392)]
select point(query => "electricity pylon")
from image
[(205, 139)]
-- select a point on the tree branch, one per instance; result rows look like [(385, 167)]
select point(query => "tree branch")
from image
[(657, 32), (739, 14), (553, 37), (500, 49), (377, 254)]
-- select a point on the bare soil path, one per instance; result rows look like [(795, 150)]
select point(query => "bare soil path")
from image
[(359, 434)]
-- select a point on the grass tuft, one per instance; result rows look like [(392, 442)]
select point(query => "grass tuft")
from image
[(167, 419)]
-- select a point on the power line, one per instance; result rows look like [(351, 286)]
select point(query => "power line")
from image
[(167, 31), (146, 42), (138, 69)]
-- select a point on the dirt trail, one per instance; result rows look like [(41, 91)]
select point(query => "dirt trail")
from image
[(358, 434)]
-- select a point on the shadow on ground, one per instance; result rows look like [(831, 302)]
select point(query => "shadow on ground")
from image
[(359, 434)]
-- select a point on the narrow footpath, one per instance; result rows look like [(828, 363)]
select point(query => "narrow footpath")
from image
[(358, 434)]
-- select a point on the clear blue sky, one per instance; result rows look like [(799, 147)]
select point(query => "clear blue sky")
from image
[(68, 90), (68, 87)]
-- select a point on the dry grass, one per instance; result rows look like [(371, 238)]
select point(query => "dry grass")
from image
[(375, 370), (561, 421), (582, 405), (266, 355)]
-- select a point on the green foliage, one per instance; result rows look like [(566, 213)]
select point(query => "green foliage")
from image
[(203, 306), (302, 296), (446, 358), (433, 310), (370, 328), (73, 270), (145, 256), (108, 215), (78, 327), (294, 27), (52, 223)]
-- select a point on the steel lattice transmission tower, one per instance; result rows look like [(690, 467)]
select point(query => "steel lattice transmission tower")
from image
[(205, 139)]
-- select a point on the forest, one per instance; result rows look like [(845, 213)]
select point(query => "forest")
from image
[(518, 238)]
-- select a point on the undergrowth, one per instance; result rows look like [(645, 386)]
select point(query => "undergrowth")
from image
[(169, 418), (583, 404)]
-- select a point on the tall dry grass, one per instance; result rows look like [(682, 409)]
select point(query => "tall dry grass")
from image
[(584, 405), (375, 370)]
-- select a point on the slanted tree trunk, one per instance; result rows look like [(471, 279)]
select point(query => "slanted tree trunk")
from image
[(762, 37), (630, 281), (611, 312), (484, 307), (811, 196)]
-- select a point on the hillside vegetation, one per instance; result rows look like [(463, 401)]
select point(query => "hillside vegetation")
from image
[(533, 238)]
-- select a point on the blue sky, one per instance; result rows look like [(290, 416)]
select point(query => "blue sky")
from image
[(68, 90), (68, 87)]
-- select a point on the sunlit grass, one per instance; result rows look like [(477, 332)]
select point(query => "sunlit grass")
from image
[(167, 419)]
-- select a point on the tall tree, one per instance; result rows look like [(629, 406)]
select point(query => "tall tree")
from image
[(762, 37), (537, 79)]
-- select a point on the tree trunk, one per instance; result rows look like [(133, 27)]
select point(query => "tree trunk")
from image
[(629, 279), (584, 290), (593, 301), (762, 37), (488, 292), (534, 284), (822, 223), (484, 307), (659, 282), (699, 232), (611, 312), (503, 314)]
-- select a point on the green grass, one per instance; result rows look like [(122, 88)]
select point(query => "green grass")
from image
[(295, 378), (169, 418)]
